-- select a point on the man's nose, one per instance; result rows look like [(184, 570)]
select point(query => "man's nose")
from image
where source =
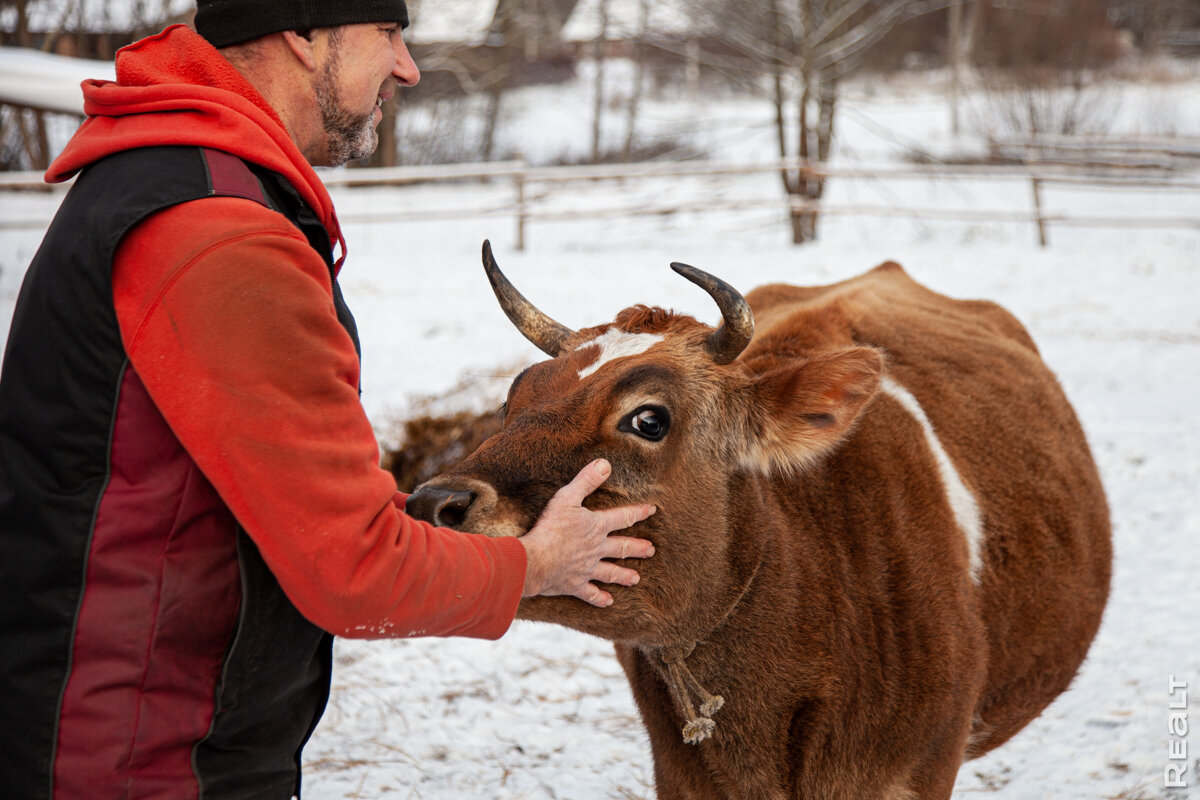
[(405, 69)]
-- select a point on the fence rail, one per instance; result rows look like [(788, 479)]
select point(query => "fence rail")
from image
[(525, 206), (1143, 152)]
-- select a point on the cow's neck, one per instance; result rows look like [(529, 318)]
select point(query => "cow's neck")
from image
[(671, 662)]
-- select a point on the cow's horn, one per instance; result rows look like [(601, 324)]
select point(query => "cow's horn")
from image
[(728, 341), (544, 332)]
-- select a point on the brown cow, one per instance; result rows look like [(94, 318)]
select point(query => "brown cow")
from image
[(882, 543)]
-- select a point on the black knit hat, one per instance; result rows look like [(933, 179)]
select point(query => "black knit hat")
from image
[(226, 22)]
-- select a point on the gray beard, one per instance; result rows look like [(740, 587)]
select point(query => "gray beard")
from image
[(351, 136)]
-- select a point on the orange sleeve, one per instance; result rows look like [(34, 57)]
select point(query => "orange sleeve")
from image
[(227, 316)]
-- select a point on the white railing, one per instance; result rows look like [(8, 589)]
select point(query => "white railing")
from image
[(533, 190)]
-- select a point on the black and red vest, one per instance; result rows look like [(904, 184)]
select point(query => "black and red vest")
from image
[(142, 637)]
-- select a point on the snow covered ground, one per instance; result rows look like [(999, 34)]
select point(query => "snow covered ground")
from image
[(544, 712)]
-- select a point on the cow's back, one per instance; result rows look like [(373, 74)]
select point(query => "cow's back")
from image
[(1005, 424)]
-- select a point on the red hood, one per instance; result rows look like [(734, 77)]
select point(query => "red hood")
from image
[(176, 89)]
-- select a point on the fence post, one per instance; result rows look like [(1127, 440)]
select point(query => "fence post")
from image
[(519, 179), (1037, 210)]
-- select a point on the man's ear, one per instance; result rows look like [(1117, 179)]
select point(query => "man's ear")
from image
[(303, 45), (798, 412)]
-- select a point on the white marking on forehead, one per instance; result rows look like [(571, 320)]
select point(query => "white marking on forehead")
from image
[(962, 502), (615, 343)]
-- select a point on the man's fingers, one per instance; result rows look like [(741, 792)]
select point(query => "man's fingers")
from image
[(626, 547), (591, 593), (583, 484), (608, 572), (615, 519), (579, 541)]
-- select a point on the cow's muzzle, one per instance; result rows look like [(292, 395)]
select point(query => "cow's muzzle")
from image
[(441, 507)]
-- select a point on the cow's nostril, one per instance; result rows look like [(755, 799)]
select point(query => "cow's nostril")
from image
[(441, 507), (453, 511)]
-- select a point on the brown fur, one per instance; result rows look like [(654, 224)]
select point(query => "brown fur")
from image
[(805, 544)]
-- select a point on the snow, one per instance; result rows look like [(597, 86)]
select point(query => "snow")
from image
[(545, 712)]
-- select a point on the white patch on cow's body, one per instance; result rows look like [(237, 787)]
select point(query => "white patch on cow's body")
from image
[(615, 343), (962, 502)]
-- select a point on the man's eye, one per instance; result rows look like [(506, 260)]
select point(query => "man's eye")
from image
[(649, 422)]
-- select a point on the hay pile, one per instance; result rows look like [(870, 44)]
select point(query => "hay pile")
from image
[(433, 443)]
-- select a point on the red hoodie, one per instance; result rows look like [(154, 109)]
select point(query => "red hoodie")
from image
[(226, 314)]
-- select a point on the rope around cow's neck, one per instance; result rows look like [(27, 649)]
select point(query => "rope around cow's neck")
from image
[(696, 727)]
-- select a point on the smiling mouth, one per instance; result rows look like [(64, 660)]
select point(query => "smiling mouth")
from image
[(386, 92)]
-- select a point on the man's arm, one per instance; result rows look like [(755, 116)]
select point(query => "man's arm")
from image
[(227, 316), (231, 327)]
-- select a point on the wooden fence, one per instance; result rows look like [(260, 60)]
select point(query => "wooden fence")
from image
[(1086, 152), (535, 191)]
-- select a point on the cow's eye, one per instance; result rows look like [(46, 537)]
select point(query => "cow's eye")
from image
[(649, 422)]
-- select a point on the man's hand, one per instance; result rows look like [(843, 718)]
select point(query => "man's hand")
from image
[(568, 545)]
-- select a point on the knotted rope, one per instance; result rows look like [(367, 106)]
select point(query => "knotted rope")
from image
[(682, 684)]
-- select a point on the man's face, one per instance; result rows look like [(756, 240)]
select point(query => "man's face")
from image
[(363, 66)]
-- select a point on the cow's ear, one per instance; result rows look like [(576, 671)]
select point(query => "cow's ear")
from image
[(802, 410)]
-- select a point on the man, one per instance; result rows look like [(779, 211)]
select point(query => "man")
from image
[(190, 496)]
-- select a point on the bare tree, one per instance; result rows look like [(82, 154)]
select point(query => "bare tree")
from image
[(19, 35), (599, 59), (639, 78), (805, 48), (522, 32), (85, 28), (961, 34), (531, 26), (1043, 69), (465, 78), (23, 137)]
